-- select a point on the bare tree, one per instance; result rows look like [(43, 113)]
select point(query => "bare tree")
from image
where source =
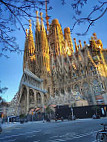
[(98, 11), (2, 90), (12, 13)]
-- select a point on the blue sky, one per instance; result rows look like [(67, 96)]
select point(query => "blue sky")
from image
[(11, 69)]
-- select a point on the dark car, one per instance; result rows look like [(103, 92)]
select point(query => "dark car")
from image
[(59, 118)]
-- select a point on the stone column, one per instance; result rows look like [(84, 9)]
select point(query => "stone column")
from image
[(93, 96), (42, 101), (27, 107), (19, 105), (35, 98)]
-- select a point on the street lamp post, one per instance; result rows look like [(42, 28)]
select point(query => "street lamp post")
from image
[(72, 113)]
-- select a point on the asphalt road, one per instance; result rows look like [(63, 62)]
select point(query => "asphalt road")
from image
[(67, 131)]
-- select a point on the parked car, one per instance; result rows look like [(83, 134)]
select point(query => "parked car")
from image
[(59, 118)]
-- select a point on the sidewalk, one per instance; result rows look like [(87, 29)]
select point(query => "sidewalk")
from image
[(13, 124), (8, 125)]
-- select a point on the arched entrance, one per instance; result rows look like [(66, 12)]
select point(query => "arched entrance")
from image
[(23, 101), (31, 96), (38, 98)]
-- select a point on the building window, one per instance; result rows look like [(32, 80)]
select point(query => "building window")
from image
[(45, 99), (62, 91), (49, 90), (69, 89), (38, 98), (91, 68)]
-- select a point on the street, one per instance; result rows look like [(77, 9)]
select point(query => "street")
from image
[(81, 130)]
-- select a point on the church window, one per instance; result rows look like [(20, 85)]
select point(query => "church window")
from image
[(62, 91), (45, 81), (102, 85), (77, 71), (57, 92), (45, 98), (69, 89), (49, 90), (94, 72), (91, 68), (38, 98), (31, 96), (76, 87), (65, 60), (74, 74), (82, 71)]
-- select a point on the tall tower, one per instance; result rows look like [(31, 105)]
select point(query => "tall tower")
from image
[(29, 52), (68, 41), (56, 39), (42, 54), (45, 58)]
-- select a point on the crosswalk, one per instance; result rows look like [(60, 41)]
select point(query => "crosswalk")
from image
[(72, 137)]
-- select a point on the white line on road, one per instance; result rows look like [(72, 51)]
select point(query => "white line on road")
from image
[(74, 137), (11, 140), (57, 140), (54, 137), (19, 135), (30, 136)]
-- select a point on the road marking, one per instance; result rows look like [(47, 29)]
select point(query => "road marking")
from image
[(56, 140), (30, 136), (71, 137), (54, 137), (60, 140), (19, 135), (11, 140)]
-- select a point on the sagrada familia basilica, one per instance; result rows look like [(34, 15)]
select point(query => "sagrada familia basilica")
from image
[(56, 72)]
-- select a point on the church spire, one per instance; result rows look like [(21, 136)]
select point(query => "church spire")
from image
[(31, 45), (42, 24), (68, 40), (80, 44), (29, 53), (25, 50), (37, 22), (76, 47)]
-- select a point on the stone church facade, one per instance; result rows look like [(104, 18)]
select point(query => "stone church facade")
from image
[(56, 72)]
